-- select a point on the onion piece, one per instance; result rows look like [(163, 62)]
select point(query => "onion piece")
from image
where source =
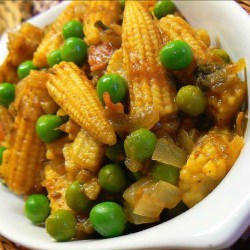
[(167, 193), (166, 151), (137, 219), (148, 198), (185, 141), (135, 190)]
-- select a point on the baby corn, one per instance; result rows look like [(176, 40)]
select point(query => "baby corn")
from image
[(176, 28), (150, 91), (23, 160), (6, 125), (87, 152), (56, 184), (71, 89), (226, 93), (106, 12), (209, 162)]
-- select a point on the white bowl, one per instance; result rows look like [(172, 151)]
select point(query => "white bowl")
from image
[(216, 222)]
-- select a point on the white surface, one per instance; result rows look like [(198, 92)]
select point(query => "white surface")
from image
[(219, 219)]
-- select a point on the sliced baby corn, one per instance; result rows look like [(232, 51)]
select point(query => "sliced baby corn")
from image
[(150, 91), (53, 38), (56, 183), (87, 152), (210, 160), (71, 89), (23, 160), (106, 12)]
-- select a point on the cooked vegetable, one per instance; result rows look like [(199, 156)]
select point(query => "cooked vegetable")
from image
[(74, 50), (2, 149), (76, 198), (166, 151), (72, 28), (61, 225), (25, 68), (72, 90), (7, 94), (211, 159), (37, 208), (166, 173), (116, 153), (108, 219), (113, 84), (97, 12), (148, 198), (176, 55), (47, 128), (191, 100), (176, 28), (54, 57), (140, 145), (23, 160), (163, 8), (112, 178), (223, 54), (136, 118), (86, 151), (53, 38), (150, 91)]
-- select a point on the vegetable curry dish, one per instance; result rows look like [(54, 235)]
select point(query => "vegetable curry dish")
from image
[(116, 117)]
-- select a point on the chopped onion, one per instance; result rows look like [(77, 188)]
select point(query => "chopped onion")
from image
[(133, 165), (167, 193), (168, 152), (185, 141), (135, 190), (147, 199), (137, 219)]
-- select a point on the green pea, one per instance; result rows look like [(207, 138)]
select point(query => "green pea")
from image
[(108, 219), (76, 198), (54, 57), (61, 225), (7, 94), (163, 8), (112, 178), (2, 149), (223, 54), (191, 100), (37, 208), (116, 152), (24, 69), (176, 55), (165, 172), (114, 84), (74, 50), (140, 144), (72, 28), (47, 127)]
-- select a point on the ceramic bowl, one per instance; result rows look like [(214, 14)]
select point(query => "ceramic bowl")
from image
[(217, 221)]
